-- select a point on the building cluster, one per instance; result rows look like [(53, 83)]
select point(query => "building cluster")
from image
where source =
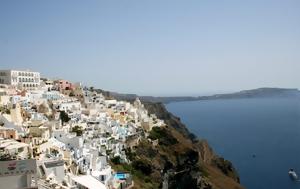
[(71, 131)]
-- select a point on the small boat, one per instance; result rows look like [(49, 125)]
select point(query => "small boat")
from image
[(293, 174)]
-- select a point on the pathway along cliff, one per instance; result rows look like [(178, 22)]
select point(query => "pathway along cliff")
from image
[(172, 157)]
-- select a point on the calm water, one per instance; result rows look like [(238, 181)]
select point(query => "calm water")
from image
[(237, 129)]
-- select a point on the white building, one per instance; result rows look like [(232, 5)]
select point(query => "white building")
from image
[(70, 140), (20, 79), (67, 105), (86, 182), (52, 169)]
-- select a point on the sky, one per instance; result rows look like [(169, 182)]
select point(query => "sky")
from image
[(155, 47)]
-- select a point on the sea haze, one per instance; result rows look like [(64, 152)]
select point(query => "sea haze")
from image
[(260, 136)]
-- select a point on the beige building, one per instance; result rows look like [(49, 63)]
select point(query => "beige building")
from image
[(8, 133), (39, 134), (14, 148)]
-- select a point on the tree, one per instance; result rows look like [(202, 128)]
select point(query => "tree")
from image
[(64, 117), (116, 160), (78, 130)]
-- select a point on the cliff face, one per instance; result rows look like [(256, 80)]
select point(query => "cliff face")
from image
[(172, 157)]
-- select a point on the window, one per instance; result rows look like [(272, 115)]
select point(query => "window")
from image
[(42, 170), (20, 150), (20, 80), (2, 73)]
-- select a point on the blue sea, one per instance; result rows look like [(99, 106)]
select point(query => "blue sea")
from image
[(240, 129)]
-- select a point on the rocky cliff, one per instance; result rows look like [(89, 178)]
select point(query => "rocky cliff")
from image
[(172, 157), (200, 166)]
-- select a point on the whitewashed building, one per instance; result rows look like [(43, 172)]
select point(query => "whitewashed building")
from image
[(20, 79)]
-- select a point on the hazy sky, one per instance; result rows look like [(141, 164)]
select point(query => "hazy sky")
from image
[(156, 47)]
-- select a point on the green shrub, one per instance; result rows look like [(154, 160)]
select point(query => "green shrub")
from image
[(64, 117), (78, 130), (116, 160), (143, 166), (164, 137), (156, 133)]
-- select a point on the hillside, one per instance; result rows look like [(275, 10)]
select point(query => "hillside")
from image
[(172, 157)]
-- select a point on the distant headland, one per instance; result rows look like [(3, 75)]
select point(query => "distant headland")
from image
[(253, 93)]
